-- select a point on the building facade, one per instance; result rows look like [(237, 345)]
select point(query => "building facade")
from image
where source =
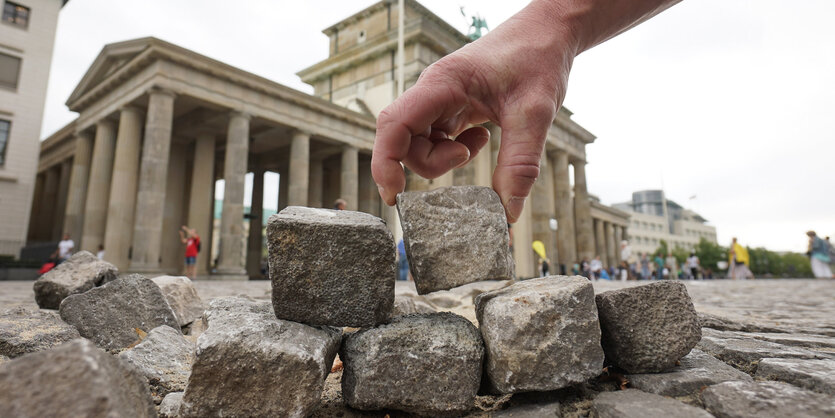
[(27, 36), (158, 125), (654, 218)]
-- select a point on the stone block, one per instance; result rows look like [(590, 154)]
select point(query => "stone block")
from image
[(164, 357), (633, 403), (816, 375), (454, 236), (250, 364), (78, 274), (540, 334), (766, 400), (745, 353), (24, 331), (426, 364), (170, 405), (648, 328), (182, 296), (75, 379), (696, 371), (115, 315), (331, 267), (536, 410)]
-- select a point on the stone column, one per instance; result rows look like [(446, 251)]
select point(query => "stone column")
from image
[(35, 213), (201, 206), (150, 198), (582, 213), (98, 191), (74, 214), (299, 169), (47, 212), (522, 240), (618, 239), (314, 190), (349, 189), (542, 210), (445, 180), (611, 247), (231, 264), (483, 166), (119, 232), (600, 241), (173, 251), (369, 197), (256, 214), (564, 209), (61, 200)]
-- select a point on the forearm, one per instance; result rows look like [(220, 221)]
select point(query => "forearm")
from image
[(591, 22)]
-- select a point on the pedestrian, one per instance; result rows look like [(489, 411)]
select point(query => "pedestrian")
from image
[(65, 249), (819, 256), (402, 261), (585, 267), (340, 204), (738, 262), (624, 272), (596, 267), (100, 254), (544, 267), (575, 269), (659, 267), (672, 265), (189, 237), (693, 266), (644, 267)]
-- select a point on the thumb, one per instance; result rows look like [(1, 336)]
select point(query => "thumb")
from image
[(524, 129)]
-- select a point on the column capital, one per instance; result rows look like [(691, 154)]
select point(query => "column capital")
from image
[(239, 114), (130, 107), (301, 132), (162, 91), (105, 122)]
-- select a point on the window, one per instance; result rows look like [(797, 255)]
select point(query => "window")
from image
[(5, 127), (15, 14), (9, 71)]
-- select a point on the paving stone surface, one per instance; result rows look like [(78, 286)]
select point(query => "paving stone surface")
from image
[(648, 328), (115, 315), (549, 322), (26, 331), (75, 379), (78, 274), (781, 310), (633, 403), (426, 364), (745, 354), (766, 400), (331, 267), (695, 371), (454, 236), (182, 296), (249, 363), (164, 357), (816, 375)]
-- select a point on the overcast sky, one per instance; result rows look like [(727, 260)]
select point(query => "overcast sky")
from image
[(729, 101)]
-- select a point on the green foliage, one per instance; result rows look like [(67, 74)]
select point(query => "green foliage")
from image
[(710, 253), (661, 250), (681, 255), (770, 263)]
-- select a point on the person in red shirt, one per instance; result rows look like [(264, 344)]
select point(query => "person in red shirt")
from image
[(189, 237)]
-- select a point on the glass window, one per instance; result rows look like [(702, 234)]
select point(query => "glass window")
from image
[(9, 70), (15, 14), (5, 127)]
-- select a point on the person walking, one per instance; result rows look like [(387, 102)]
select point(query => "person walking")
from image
[(693, 266), (659, 267), (644, 267), (65, 249), (819, 256), (189, 237), (738, 262), (672, 265), (596, 267), (402, 261)]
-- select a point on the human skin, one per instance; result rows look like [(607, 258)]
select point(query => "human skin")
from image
[(516, 77)]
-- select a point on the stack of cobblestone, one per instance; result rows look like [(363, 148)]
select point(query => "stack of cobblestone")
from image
[(133, 346)]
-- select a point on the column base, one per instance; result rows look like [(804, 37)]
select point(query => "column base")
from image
[(227, 277)]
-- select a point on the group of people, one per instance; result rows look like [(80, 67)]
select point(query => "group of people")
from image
[(821, 255), (642, 266)]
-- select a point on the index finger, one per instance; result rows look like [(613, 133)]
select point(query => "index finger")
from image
[(412, 114)]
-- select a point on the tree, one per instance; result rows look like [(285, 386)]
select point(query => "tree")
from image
[(710, 253)]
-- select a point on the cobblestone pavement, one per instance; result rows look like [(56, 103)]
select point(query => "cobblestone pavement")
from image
[(781, 330)]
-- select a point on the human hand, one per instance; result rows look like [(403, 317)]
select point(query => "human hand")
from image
[(516, 76)]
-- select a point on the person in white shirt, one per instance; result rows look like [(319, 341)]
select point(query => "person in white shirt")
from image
[(100, 254), (693, 265), (65, 247), (596, 267)]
